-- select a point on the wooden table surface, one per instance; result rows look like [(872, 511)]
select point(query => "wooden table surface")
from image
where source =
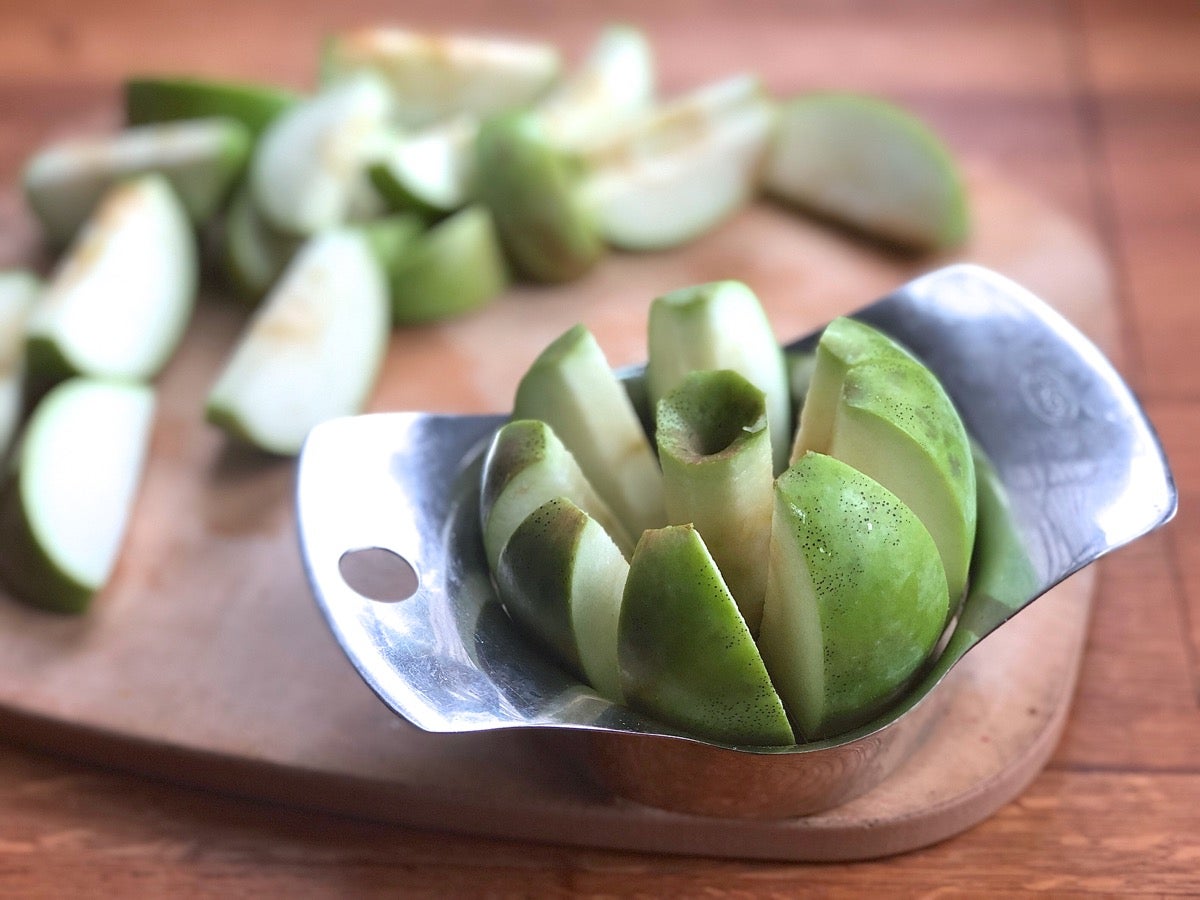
[(1095, 106)]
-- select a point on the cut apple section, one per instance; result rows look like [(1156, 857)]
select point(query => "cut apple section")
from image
[(65, 508), (201, 159), (869, 165), (119, 301), (310, 167), (453, 268), (679, 171), (18, 292), (430, 171), (151, 99), (720, 325), (614, 84), (561, 575), (311, 351), (535, 194), (434, 77), (879, 409), (526, 466), (856, 596), (715, 454), (686, 656), (571, 387), (253, 253)]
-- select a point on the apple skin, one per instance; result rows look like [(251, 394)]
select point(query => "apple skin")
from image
[(715, 453), (535, 195), (562, 577), (149, 100), (527, 465), (856, 596), (686, 655), (876, 407)]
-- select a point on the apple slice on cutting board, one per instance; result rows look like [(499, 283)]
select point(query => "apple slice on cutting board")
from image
[(311, 351), (434, 77), (66, 503), (150, 100), (869, 165), (200, 158), (429, 171), (19, 290), (120, 300)]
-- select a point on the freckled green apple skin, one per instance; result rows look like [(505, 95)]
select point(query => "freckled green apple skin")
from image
[(876, 407), (686, 655), (562, 577), (535, 194), (571, 387), (715, 453), (720, 325), (527, 465), (856, 596)]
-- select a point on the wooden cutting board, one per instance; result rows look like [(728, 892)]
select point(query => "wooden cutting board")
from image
[(206, 660)]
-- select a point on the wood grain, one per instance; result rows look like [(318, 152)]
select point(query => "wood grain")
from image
[(1076, 100)]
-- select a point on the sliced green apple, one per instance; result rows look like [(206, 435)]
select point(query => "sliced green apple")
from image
[(571, 387), (679, 172), (119, 301), (614, 84), (453, 268), (534, 192), (856, 596), (685, 654), (527, 465), (876, 407), (434, 77), (65, 507), (253, 253), (720, 325), (429, 171), (151, 99), (391, 237), (563, 578), (869, 165), (715, 453), (311, 351), (200, 158), (19, 290), (310, 166)]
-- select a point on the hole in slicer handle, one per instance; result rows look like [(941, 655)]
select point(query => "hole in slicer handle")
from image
[(379, 574)]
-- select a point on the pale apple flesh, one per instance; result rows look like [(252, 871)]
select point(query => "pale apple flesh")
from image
[(561, 575), (856, 596), (686, 655)]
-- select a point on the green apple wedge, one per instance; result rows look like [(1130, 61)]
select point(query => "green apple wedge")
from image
[(527, 465), (614, 84), (453, 268), (867, 164), (685, 654), (68, 497), (310, 167), (720, 325), (681, 170), (535, 194), (252, 252), (891, 418), (151, 99), (312, 349), (571, 387), (119, 301), (562, 577), (429, 171), (19, 290), (856, 596), (717, 473), (201, 159), (433, 77)]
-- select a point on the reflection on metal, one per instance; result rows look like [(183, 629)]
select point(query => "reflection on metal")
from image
[(1070, 469)]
